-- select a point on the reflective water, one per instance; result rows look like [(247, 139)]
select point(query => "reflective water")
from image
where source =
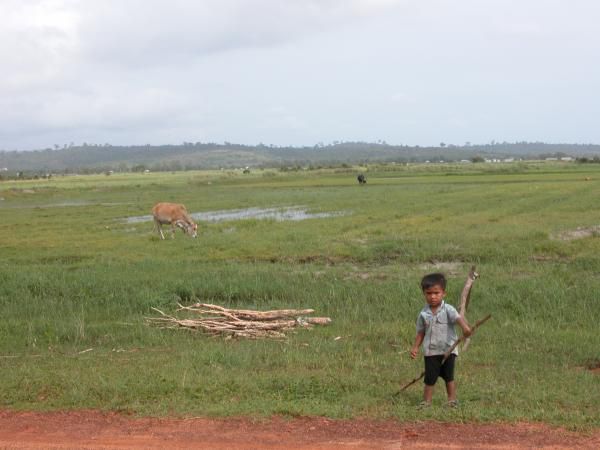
[(293, 213)]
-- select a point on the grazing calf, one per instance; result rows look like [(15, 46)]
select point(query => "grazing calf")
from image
[(361, 179), (174, 214)]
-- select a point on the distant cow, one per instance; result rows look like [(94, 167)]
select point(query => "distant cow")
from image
[(361, 179), (174, 214)]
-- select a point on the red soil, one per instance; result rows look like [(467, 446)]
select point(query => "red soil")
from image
[(98, 430)]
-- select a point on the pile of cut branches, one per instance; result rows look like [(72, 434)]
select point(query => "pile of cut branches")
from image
[(216, 320)]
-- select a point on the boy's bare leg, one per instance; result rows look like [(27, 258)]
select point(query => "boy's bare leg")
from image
[(451, 390), (428, 394)]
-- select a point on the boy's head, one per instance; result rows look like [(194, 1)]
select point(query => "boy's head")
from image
[(434, 288), (433, 279)]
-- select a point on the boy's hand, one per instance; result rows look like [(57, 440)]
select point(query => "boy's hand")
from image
[(414, 352), (466, 329)]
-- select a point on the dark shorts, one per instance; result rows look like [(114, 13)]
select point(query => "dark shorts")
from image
[(434, 369)]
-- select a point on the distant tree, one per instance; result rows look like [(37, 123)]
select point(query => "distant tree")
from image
[(175, 165)]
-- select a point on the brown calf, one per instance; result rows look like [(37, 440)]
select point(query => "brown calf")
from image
[(174, 214)]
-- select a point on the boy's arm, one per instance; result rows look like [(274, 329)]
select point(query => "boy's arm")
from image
[(466, 329), (414, 351)]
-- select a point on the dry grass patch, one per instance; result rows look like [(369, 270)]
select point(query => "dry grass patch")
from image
[(450, 268), (578, 233)]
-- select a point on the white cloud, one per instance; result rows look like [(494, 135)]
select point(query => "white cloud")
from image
[(36, 41), (155, 31), (129, 71)]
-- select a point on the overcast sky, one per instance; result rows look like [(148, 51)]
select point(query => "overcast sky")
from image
[(298, 72)]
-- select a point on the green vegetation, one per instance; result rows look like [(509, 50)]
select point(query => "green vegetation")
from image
[(93, 158), (76, 282)]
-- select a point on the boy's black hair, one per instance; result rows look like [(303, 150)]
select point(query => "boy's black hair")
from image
[(433, 279)]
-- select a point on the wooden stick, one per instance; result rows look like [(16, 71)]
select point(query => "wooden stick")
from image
[(250, 314), (215, 320), (316, 320), (464, 299), (466, 292), (448, 352)]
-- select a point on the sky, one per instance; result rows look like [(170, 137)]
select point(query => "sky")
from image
[(298, 72)]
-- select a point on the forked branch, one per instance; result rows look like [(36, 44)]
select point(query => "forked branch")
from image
[(465, 295)]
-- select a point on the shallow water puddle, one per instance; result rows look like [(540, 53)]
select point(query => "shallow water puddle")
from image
[(293, 213)]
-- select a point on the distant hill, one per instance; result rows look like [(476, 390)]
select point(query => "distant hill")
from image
[(198, 155)]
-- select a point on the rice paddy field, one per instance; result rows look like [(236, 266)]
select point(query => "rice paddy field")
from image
[(81, 269)]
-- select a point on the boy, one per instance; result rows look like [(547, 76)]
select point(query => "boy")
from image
[(435, 330)]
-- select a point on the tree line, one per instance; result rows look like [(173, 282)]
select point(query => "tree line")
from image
[(187, 156)]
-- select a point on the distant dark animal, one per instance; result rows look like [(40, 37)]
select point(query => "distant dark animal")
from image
[(361, 179), (176, 215)]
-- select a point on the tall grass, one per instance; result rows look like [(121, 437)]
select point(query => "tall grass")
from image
[(76, 282)]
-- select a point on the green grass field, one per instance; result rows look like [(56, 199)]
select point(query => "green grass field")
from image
[(76, 282)]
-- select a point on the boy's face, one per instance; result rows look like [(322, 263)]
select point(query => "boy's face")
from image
[(434, 295)]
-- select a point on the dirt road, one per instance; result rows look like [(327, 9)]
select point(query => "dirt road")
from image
[(98, 430)]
